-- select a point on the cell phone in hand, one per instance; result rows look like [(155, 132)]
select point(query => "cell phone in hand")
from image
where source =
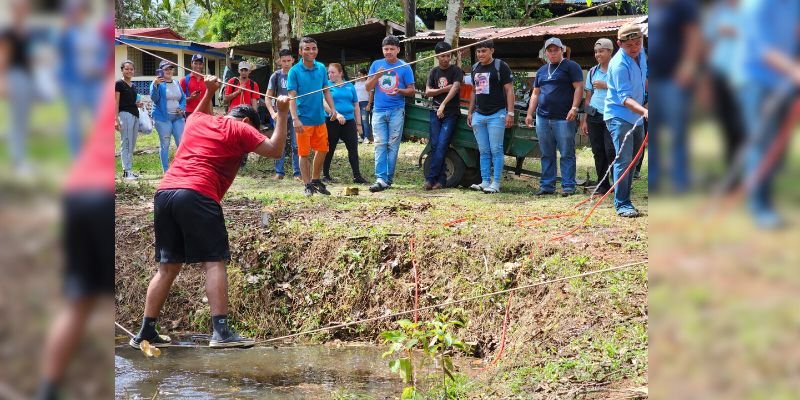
[(160, 73)]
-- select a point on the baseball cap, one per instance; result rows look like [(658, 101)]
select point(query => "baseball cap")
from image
[(630, 31), (604, 43), (245, 65), (554, 41), (164, 64), (198, 57)]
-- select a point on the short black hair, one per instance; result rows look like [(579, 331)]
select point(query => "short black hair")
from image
[(122, 65), (363, 71), (441, 47), (489, 44), (307, 39), (284, 53), (244, 111), (391, 40)]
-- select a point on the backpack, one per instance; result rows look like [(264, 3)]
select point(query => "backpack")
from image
[(497, 62), (227, 103)]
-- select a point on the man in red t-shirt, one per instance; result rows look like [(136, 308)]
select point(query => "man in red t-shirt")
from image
[(189, 225), (236, 97), (193, 86)]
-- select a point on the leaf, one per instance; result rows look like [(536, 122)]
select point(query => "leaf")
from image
[(411, 343), (149, 350), (407, 370), (409, 393), (146, 6), (394, 365), (392, 336), (448, 340), (405, 324), (589, 3)]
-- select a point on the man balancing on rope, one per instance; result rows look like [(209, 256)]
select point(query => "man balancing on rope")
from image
[(189, 225)]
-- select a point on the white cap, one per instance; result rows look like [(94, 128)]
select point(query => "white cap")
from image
[(245, 65)]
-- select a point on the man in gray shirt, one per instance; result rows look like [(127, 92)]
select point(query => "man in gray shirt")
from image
[(277, 87)]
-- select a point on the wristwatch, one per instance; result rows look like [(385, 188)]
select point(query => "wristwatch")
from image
[(575, 108), (510, 113)]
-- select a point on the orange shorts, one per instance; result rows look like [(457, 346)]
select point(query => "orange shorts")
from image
[(312, 137)]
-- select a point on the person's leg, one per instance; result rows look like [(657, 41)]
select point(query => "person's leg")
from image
[(496, 126), (164, 129), (655, 125), (292, 139), (126, 139), (546, 134), (565, 141), (304, 152), (64, 337), (349, 135), (158, 289), (480, 128), (20, 103), (445, 136), (597, 133), (396, 123), (280, 161), (677, 104), (334, 131), (177, 129), (618, 129), (217, 287), (380, 131), (437, 159), (362, 108), (319, 142)]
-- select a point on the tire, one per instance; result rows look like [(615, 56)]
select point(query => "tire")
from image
[(454, 167), (471, 176)]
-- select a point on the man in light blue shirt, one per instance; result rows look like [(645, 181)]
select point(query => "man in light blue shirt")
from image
[(623, 112), (767, 76), (391, 87)]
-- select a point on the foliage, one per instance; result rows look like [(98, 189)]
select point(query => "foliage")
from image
[(435, 338)]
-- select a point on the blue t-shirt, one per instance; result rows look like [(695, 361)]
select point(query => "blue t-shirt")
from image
[(626, 79), (343, 98), (306, 80), (770, 24), (395, 79), (723, 50), (557, 92), (666, 22), (598, 100)]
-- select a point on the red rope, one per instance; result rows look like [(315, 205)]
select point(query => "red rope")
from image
[(416, 280), (627, 170), (503, 336), (454, 222)]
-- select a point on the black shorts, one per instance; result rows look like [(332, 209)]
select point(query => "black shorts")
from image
[(88, 237), (189, 228)]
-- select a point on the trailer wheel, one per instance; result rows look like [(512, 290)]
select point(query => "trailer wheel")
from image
[(454, 167), (471, 176)]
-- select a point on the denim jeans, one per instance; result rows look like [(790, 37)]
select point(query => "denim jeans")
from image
[(557, 134), (291, 140), (365, 120), (387, 127), (670, 108), (602, 149), (172, 127), (618, 128), (489, 131), (441, 133), (762, 124)]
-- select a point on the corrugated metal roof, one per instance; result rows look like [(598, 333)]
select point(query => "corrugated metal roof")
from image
[(159, 33), (502, 34)]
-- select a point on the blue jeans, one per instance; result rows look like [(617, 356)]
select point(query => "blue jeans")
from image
[(21, 100), (618, 128), (762, 127), (670, 108), (387, 127), (365, 120), (81, 96), (489, 131), (441, 133), (292, 140), (174, 127), (557, 134)]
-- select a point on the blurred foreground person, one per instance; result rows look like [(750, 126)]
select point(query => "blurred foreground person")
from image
[(767, 76), (88, 237), (16, 81)]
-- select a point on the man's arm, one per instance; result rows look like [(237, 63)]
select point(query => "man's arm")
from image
[(212, 85), (232, 94), (532, 106), (268, 103), (509, 89), (453, 92), (470, 109), (576, 100), (634, 106), (273, 146), (373, 80), (329, 100)]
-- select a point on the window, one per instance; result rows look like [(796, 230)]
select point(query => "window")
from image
[(150, 64), (212, 67)]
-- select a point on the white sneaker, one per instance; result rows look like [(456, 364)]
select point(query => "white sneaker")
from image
[(492, 189), (480, 186)]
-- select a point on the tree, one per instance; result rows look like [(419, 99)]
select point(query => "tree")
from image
[(455, 11)]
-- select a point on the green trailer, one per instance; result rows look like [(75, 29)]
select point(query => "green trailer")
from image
[(462, 160)]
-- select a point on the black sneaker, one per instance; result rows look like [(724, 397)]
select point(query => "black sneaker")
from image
[(309, 190), (233, 340), (320, 187), (359, 179), (130, 176), (543, 192), (567, 193), (327, 179), (378, 186), (158, 341)]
